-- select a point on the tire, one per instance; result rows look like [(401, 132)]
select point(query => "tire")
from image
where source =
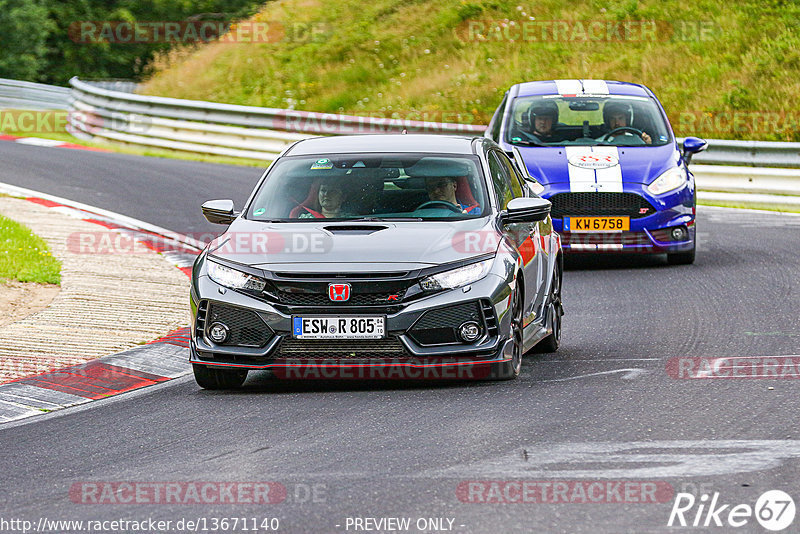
[(210, 378), (682, 258), (513, 368), (553, 341)]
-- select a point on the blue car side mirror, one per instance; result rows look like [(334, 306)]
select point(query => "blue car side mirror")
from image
[(693, 145)]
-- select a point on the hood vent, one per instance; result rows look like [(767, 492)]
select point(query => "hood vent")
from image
[(353, 229)]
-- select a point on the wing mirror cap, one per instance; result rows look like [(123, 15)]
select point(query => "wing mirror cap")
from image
[(219, 211), (526, 209)]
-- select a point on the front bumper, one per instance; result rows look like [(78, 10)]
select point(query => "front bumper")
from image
[(399, 355), (649, 234)]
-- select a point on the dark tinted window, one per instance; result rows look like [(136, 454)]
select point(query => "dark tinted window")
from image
[(501, 180)]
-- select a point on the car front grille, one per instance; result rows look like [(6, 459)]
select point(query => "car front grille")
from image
[(622, 238), (245, 326), (600, 204), (440, 326), (322, 299), (389, 348)]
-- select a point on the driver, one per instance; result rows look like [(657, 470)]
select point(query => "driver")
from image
[(543, 117), (443, 189), (620, 115)]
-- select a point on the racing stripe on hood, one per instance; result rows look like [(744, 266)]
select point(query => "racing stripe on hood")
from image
[(606, 180), (610, 178)]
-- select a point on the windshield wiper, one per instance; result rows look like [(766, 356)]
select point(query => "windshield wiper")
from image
[(526, 143)]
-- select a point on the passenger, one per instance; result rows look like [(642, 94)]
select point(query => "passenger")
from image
[(620, 115), (327, 203)]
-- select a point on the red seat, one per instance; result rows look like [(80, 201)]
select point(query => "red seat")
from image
[(310, 204), (464, 193)]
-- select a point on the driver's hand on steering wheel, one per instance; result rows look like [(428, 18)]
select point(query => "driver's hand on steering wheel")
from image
[(646, 138)]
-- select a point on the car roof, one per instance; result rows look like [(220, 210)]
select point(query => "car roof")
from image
[(577, 87), (441, 144)]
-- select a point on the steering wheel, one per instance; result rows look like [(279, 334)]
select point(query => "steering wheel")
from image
[(610, 134), (439, 204)]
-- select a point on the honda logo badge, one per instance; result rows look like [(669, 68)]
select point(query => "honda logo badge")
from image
[(339, 292)]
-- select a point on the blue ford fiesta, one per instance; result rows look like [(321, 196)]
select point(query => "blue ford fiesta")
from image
[(604, 154)]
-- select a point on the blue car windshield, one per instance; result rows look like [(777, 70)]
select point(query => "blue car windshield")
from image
[(372, 186), (586, 120)]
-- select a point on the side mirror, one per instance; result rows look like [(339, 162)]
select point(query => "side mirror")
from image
[(693, 145), (219, 211), (526, 209)]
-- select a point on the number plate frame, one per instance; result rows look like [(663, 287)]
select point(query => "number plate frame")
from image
[(577, 225), (300, 334)]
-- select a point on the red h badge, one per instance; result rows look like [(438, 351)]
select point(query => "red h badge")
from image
[(339, 292)]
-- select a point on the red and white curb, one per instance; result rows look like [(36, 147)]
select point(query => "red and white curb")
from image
[(51, 143), (158, 361)]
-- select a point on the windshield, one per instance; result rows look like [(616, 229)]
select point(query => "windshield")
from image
[(586, 120), (371, 186)]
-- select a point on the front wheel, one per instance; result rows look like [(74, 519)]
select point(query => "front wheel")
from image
[(553, 341), (682, 258), (211, 378)]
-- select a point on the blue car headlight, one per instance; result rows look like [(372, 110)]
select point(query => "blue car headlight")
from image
[(670, 180), (458, 277), (225, 276)]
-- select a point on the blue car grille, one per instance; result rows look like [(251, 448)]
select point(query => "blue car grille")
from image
[(600, 204)]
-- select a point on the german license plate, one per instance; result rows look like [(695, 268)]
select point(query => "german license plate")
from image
[(333, 327), (597, 224)]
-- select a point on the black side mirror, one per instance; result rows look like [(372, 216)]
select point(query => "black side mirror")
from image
[(693, 145), (219, 211), (526, 209)]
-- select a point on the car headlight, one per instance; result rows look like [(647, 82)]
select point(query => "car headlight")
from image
[(225, 276), (457, 277), (668, 181)]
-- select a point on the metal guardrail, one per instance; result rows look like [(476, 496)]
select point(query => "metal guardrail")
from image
[(15, 94), (221, 129)]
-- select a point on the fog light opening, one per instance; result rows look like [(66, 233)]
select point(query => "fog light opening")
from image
[(218, 333), (469, 331), (679, 234)]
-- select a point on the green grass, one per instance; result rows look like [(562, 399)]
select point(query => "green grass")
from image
[(25, 256), (784, 208), (725, 71)]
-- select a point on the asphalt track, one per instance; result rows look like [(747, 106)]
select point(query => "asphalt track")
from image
[(604, 408)]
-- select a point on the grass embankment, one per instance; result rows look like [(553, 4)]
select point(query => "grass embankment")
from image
[(727, 71), (25, 256)]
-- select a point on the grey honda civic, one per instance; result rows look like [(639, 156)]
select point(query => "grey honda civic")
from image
[(379, 256)]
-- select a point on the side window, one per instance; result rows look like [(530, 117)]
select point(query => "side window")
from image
[(497, 120), (516, 179), (501, 180)]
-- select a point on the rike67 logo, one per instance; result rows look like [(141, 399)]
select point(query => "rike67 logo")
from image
[(774, 510)]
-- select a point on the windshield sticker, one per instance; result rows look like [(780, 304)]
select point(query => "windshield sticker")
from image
[(322, 164), (259, 211)]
